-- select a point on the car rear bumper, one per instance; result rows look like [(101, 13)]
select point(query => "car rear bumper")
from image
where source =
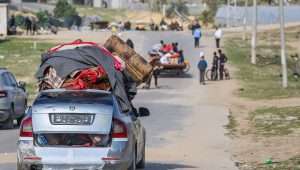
[(118, 150), (116, 165)]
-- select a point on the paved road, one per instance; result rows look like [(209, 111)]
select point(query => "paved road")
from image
[(185, 129)]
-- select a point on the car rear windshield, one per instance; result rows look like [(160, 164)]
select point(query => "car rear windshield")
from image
[(82, 97)]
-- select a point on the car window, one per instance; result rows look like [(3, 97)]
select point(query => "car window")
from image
[(74, 97), (1, 79), (12, 79), (6, 80)]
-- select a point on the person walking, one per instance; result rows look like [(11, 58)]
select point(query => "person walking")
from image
[(223, 59), (218, 36), (28, 25), (155, 74), (195, 26), (215, 67), (202, 65), (197, 36)]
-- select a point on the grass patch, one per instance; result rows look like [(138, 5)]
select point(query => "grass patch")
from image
[(261, 81), (19, 57), (105, 14), (290, 164), (232, 125), (275, 121)]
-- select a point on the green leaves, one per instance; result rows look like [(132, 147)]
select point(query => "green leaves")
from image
[(64, 9)]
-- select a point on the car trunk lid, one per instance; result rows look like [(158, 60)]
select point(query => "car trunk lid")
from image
[(72, 118)]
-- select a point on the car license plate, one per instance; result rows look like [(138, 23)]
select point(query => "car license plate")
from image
[(71, 119)]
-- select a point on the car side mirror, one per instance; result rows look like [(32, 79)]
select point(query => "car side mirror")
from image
[(144, 112), (22, 85)]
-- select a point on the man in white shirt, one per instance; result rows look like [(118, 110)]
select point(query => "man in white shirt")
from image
[(218, 36)]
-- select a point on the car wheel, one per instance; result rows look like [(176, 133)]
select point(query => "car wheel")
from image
[(9, 124), (141, 164), (19, 120), (133, 162)]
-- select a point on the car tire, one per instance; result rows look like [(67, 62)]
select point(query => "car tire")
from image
[(133, 162), (142, 163), (9, 124), (19, 120)]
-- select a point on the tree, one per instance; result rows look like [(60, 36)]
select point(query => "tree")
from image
[(206, 17), (43, 18), (180, 6), (213, 5), (63, 9)]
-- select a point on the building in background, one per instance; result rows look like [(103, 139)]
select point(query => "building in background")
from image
[(116, 4)]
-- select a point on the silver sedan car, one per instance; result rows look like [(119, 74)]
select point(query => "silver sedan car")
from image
[(13, 99), (72, 130)]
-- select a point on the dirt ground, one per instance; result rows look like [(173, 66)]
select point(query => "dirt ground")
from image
[(250, 148), (201, 143)]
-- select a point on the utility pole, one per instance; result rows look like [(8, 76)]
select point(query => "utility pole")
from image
[(235, 12), (227, 14), (282, 35), (254, 32), (245, 22)]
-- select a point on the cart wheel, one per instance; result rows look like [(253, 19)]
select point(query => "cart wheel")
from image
[(187, 67), (208, 74)]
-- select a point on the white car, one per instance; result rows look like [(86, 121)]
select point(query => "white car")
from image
[(83, 129)]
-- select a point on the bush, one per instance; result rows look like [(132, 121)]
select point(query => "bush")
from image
[(43, 18), (207, 16), (64, 9), (20, 21)]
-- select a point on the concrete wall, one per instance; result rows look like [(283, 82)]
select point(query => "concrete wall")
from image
[(114, 4), (3, 20)]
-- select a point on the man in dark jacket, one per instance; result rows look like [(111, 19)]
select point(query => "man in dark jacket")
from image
[(223, 59), (202, 65), (215, 67)]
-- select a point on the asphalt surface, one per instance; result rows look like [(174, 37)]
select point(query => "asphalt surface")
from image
[(170, 111)]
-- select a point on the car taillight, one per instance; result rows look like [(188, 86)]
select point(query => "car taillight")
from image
[(119, 129), (26, 127), (3, 94)]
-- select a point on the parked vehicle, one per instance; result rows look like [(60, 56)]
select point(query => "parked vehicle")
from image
[(13, 99), (80, 129)]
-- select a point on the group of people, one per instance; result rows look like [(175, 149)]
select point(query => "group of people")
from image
[(197, 34), (167, 53), (31, 25), (163, 53), (218, 66)]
